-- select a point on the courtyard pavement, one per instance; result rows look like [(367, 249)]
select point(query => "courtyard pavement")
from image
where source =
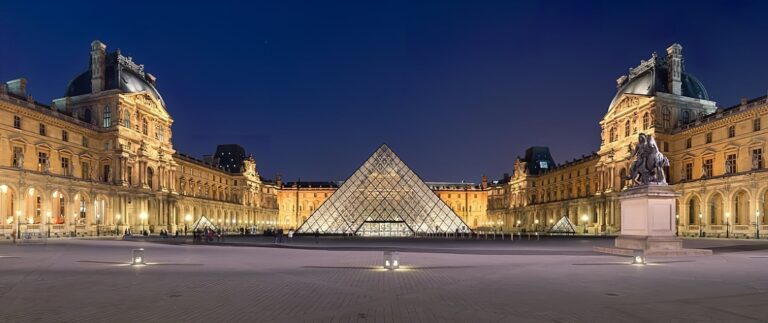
[(336, 280)]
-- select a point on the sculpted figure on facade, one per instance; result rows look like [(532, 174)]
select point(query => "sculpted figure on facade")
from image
[(648, 164)]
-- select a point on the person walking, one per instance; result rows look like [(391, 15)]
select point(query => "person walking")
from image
[(290, 235), (317, 236)]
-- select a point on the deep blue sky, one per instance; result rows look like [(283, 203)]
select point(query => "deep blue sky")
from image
[(458, 89)]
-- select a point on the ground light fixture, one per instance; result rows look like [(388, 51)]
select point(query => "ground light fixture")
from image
[(638, 257), (391, 260), (137, 257)]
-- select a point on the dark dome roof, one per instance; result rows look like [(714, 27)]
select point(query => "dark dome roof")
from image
[(116, 76), (655, 80)]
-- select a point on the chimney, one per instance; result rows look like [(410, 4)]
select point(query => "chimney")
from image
[(98, 56), (18, 87), (675, 69), (484, 183)]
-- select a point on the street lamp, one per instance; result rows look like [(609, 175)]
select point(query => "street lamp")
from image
[(727, 224), (757, 224), (187, 219), (536, 225), (677, 224), (18, 228), (584, 219), (48, 223), (98, 221), (3, 189), (701, 225)]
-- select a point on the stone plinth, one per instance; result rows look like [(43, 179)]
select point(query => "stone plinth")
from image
[(648, 224)]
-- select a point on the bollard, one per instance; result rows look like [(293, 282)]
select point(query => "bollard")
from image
[(537, 236), (137, 257)]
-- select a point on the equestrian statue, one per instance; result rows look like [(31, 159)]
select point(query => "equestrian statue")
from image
[(648, 164)]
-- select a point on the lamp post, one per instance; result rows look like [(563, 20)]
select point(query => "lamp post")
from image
[(18, 226), (536, 225), (677, 224), (757, 224), (74, 221), (584, 220), (727, 225), (187, 219), (48, 223), (701, 224), (98, 221), (3, 189)]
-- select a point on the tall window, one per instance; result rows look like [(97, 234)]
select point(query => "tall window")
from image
[(83, 209), (626, 129), (107, 118), (87, 115), (127, 119), (85, 169), (129, 171), (17, 156), (666, 118), (17, 122), (688, 171), (42, 129), (731, 131), (757, 158), (150, 174), (685, 117), (42, 161), (65, 166), (85, 141), (709, 137), (612, 134), (756, 124), (691, 211), (707, 169), (159, 132), (144, 126), (688, 143), (105, 173), (64, 135), (646, 121), (730, 164)]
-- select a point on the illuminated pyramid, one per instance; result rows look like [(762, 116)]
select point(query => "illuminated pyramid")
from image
[(383, 198), (563, 226)]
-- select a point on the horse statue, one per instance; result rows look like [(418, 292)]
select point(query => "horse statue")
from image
[(648, 165)]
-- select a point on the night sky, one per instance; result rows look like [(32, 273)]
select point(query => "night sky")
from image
[(457, 89)]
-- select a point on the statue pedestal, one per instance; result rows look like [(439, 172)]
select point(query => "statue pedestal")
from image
[(648, 224)]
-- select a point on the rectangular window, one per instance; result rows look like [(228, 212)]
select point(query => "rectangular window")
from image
[(105, 174), (666, 147), (85, 170), (42, 161), (17, 156), (688, 171), (85, 141), (64, 135), (129, 170), (756, 124), (17, 122), (731, 131), (709, 137), (757, 158), (688, 143), (65, 166), (42, 129), (707, 169), (730, 164)]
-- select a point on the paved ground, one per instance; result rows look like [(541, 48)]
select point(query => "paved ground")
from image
[(552, 280)]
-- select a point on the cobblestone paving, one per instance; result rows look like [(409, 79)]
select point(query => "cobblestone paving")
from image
[(79, 281)]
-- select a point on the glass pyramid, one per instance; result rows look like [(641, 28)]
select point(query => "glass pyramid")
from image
[(563, 226), (383, 198), (202, 223)]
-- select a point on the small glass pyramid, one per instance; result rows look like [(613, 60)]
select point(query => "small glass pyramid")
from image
[(383, 198), (563, 226), (202, 223)]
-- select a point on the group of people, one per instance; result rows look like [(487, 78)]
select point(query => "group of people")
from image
[(207, 235), (279, 236)]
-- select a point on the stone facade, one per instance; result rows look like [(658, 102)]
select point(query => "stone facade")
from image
[(716, 161)]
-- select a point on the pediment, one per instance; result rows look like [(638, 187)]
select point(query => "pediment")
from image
[(627, 102)]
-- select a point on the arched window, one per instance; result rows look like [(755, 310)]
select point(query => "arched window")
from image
[(87, 115), (127, 119), (666, 118), (646, 121), (686, 117), (144, 126), (626, 129), (107, 118)]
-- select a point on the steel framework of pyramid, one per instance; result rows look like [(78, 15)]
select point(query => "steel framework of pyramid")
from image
[(564, 225), (383, 198)]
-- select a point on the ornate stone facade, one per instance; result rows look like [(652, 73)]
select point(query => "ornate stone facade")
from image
[(101, 161), (716, 160)]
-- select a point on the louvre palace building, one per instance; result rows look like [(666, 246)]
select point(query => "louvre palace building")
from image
[(101, 160)]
